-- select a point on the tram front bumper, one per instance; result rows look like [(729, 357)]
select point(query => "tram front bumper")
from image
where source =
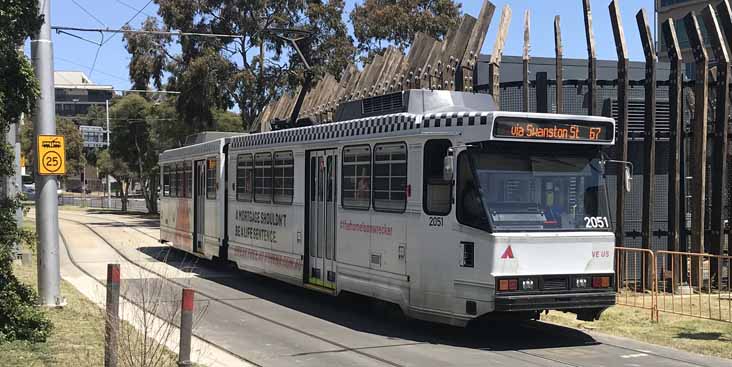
[(557, 301)]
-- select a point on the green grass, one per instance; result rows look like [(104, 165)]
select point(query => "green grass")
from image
[(691, 334)]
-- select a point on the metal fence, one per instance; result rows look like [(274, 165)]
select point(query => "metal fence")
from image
[(688, 284), (98, 202)]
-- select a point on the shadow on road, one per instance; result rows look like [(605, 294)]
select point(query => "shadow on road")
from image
[(362, 314)]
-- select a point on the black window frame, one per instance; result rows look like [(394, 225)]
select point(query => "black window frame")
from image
[(460, 188), (257, 177), (166, 180), (188, 178), (343, 177), (283, 177), (212, 179), (425, 182), (373, 177), (242, 195)]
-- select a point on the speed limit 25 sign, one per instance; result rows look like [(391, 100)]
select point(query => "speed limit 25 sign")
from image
[(51, 156)]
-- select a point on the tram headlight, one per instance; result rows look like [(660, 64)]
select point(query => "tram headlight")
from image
[(527, 284), (581, 282)]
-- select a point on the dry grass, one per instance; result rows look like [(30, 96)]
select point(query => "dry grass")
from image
[(78, 335), (682, 332)]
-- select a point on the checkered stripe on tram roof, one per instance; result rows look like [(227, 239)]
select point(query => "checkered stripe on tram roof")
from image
[(366, 126), (450, 119), (362, 127)]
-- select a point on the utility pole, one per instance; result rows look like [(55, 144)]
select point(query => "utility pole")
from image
[(44, 119), (109, 178)]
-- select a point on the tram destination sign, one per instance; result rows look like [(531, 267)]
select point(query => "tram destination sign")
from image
[(547, 129)]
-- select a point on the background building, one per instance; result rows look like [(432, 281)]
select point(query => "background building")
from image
[(75, 93)]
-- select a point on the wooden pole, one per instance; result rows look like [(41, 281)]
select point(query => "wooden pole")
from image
[(676, 130), (558, 64), (621, 144), (649, 136), (494, 66), (725, 19), (719, 148), (591, 60), (525, 59), (699, 127)]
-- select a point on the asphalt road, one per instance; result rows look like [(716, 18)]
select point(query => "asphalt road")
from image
[(269, 323)]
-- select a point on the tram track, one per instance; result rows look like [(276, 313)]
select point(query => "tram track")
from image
[(342, 347), (76, 264)]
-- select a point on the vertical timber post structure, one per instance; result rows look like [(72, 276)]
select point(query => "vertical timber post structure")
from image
[(649, 136), (699, 128), (719, 148), (47, 201), (558, 65), (494, 66), (525, 59), (591, 60), (676, 132), (725, 19), (621, 144)]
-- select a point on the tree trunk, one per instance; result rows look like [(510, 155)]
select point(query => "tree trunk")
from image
[(125, 185), (150, 190)]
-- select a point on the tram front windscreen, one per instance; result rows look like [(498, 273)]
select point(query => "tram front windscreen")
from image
[(533, 187)]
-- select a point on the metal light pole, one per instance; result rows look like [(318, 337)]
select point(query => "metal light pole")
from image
[(46, 197), (109, 178)]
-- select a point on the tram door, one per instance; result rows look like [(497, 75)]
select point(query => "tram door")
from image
[(199, 205), (321, 211)]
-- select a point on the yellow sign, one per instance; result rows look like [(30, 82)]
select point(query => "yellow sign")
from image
[(52, 155), (22, 160)]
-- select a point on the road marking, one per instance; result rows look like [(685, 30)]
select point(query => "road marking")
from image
[(636, 355)]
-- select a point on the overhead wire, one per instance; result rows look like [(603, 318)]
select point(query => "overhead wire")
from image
[(87, 66), (131, 19), (142, 31), (89, 13)]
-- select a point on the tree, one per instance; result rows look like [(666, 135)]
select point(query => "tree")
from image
[(227, 121), (117, 168), (378, 24), (74, 144), (19, 317), (250, 71), (138, 135)]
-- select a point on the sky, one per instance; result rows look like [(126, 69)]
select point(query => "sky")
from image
[(110, 67)]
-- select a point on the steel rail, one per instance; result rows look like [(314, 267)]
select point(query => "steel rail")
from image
[(235, 307)]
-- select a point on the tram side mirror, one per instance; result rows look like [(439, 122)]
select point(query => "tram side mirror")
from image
[(628, 166), (448, 166)]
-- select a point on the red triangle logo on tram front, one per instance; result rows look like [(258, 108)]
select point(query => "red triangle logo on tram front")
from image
[(508, 254)]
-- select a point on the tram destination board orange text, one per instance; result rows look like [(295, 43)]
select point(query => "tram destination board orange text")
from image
[(540, 129)]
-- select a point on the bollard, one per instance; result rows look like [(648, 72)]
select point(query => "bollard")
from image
[(186, 327), (112, 321)]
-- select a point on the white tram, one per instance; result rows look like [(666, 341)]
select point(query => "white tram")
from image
[(448, 208)]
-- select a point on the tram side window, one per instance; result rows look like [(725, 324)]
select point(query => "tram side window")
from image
[(437, 193), (283, 177), (390, 177), (175, 181), (166, 180), (187, 178), (263, 177), (356, 179), (244, 177), (211, 178)]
